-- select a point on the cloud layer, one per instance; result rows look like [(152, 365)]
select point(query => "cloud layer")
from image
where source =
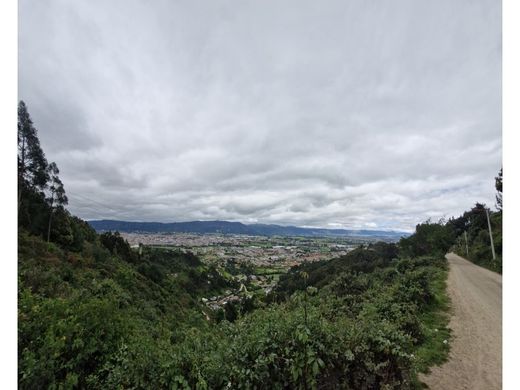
[(352, 114)]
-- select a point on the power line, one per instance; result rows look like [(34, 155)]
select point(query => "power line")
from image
[(104, 208), (92, 200)]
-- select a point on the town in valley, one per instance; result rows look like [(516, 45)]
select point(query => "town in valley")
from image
[(255, 263)]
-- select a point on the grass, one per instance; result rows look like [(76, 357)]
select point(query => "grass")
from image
[(480, 254), (434, 351), (485, 262)]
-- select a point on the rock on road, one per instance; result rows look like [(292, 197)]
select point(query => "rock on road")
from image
[(475, 360)]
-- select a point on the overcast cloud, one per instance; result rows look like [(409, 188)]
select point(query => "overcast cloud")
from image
[(356, 114)]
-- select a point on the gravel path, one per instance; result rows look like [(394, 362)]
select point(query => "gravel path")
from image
[(475, 360)]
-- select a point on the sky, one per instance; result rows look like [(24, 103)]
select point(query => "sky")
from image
[(360, 114)]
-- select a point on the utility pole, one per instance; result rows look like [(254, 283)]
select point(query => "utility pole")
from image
[(491, 236), (466, 238)]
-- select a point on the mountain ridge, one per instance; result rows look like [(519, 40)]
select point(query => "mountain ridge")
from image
[(227, 227)]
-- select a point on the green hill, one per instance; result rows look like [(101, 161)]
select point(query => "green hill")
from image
[(105, 317)]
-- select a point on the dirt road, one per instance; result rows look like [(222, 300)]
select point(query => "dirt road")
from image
[(475, 360)]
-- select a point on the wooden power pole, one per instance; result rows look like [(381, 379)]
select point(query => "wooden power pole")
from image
[(491, 236)]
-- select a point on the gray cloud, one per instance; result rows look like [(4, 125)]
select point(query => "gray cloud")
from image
[(356, 114)]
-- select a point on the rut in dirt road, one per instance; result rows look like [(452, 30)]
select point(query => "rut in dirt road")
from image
[(475, 360)]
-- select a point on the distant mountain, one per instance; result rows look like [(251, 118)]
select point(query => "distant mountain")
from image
[(226, 227)]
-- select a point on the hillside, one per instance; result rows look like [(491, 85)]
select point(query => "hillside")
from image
[(107, 317)]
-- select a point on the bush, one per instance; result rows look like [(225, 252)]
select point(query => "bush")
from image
[(93, 320)]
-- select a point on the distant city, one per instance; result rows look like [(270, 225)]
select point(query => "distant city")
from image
[(260, 259), (225, 227)]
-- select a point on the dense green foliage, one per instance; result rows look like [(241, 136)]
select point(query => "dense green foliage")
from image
[(478, 240), (76, 308), (429, 239), (320, 272), (99, 319), (498, 187), (467, 235), (41, 195)]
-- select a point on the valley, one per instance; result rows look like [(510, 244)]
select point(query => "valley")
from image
[(253, 264)]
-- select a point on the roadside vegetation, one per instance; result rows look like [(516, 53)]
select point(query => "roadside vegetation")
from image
[(466, 235), (94, 313), (474, 223)]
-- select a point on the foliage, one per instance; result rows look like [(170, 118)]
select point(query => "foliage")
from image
[(478, 241), (32, 164), (429, 239), (93, 313), (41, 195), (498, 187), (117, 245), (439, 238), (93, 319), (322, 272), (76, 310), (56, 198)]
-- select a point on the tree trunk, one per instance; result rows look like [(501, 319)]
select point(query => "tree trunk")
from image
[(49, 228), (19, 197), (21, 170)]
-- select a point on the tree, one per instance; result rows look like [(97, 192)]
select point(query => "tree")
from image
[(498, 186), (57, 198), (117, 245), (429, 239), (32, 164), (476, 219)]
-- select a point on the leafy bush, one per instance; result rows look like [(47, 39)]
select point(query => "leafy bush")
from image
[(91, 319)]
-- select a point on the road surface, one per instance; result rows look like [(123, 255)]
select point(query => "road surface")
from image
[(475, 360)]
